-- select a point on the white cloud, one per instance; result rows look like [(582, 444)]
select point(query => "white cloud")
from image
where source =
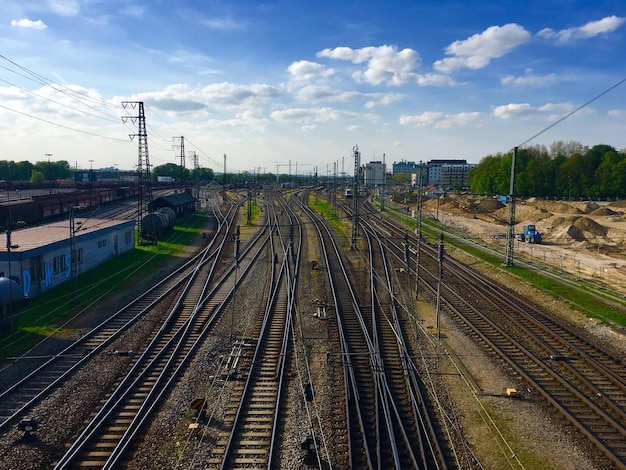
[(477, 51), (309, 115), (551, 111), (439, 120), (431, 79), (384, 63), (617, 113), (219, 96), (383, 99), (589, 30), (64, 7), (315, 93), (306, 70), (26, 23), (528, 79), (512, 110)]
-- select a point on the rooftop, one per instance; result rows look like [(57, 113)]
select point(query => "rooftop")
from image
[(35, 237)]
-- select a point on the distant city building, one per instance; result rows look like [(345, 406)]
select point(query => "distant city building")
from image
[(446, 173), (405, 167), (375, 173), (449, 173), (420, 173), (105, 175)]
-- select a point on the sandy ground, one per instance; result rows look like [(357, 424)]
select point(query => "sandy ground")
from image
[(587, 239)]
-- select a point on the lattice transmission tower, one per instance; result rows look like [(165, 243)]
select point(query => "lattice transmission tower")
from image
[(180, 145), (144, 181)]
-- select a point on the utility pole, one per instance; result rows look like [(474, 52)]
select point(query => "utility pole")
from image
[(73, 256), (144, 182), (510, 233), (181, 146), (418, 232), (382, 197), (355, 197), (196, 170), (441, 251), (49, 172)]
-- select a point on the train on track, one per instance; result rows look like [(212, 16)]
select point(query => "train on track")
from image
[(45, 208)]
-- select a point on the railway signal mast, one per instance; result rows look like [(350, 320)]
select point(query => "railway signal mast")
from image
[(355, 197), (144, 183)]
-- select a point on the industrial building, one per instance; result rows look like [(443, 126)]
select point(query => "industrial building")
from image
[(39, 258), (375, 173)]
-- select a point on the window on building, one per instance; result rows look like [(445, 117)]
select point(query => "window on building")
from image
[(36, 269), (58, 264), (102, 243)]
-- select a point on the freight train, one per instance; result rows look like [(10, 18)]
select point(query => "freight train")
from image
[(45, 208)]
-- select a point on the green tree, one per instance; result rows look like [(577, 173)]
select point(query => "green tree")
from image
[(37, 177), (170, 170), (401, 178)]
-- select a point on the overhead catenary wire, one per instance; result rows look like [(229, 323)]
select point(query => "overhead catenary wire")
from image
[(571, 113)]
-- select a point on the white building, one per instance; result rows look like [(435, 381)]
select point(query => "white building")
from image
[(375, 174), (40, 257)]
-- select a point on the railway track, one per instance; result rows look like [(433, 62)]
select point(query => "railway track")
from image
[(17, 398), (108, 439), (388, 425), (414, 437), (583, 381), (254, 414)]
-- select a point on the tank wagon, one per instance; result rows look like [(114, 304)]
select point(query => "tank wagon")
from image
[(12, 302), (154, 224)]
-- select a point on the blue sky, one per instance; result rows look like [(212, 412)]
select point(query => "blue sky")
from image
[(268, 83)]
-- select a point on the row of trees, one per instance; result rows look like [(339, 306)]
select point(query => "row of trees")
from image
[(177, 172), (40, 172), (566, 170), (35, 172)]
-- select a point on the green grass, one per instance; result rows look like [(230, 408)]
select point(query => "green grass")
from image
[(327, 211), (47, 311), (254, 212)]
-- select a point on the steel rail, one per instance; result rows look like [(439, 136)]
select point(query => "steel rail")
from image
[(173, 343), (32, 388)]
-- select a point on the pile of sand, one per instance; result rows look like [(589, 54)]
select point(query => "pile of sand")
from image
[(564, 229)]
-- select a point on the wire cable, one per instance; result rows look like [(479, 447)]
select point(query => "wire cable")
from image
[(571, 113)]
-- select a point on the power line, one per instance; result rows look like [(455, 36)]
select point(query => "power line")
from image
[(62, 125), (59, 103), (571, 113)]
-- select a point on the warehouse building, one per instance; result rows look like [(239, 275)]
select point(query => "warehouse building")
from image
[(39, 258)]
